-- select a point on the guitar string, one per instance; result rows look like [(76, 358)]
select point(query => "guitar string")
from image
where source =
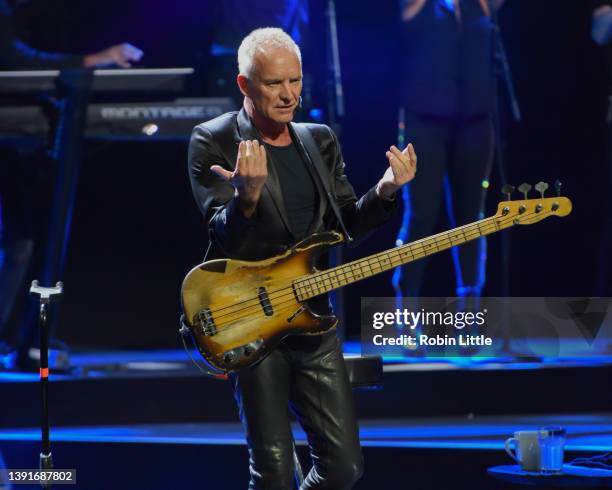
[(288, 290), (447, 236), (247, 311), (290, 302), (341, 270)]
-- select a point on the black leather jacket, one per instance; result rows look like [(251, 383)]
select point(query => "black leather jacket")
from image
[(267, 232)]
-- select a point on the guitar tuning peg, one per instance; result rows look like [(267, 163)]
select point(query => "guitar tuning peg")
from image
[(558, 187), (524, 188), (508, 189), (541, 188)]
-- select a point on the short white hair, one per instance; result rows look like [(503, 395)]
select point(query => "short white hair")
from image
[(258, 40)]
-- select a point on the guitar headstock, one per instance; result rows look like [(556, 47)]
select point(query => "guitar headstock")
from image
[(528, 211)]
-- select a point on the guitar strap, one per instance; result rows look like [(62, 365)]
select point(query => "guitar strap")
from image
[(312, 153), (210, 233)]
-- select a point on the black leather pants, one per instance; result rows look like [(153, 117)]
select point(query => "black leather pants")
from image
[(308, 376)]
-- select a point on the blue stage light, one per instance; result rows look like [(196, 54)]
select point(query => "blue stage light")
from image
[(316, 114)]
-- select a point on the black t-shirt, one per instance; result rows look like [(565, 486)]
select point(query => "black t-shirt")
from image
[(297, 187)]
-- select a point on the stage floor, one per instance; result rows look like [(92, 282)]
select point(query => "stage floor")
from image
[(162, 424), (592, 433), (163, 362)]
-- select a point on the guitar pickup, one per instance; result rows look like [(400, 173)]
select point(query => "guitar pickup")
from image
[(207, 324), (264, 301)]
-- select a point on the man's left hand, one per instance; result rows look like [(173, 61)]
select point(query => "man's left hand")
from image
[(402, 168)]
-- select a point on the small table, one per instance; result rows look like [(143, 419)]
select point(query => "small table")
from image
[(572, 476)]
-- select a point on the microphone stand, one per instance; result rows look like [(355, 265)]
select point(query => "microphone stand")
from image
[(46, 296)]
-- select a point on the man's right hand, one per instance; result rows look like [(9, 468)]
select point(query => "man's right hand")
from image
[(249, 176)]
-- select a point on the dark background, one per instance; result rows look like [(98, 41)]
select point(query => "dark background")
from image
[(137, 230)]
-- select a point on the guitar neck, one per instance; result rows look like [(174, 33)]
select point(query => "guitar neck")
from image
[(337, 277)]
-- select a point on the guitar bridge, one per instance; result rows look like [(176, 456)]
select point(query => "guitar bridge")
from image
[(207, 324)]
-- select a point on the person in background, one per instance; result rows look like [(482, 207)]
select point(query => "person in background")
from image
[(22, 174), (448, 100), (601, 32), (17, 55)]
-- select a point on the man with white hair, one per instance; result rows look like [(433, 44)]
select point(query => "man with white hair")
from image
[(263, 184)]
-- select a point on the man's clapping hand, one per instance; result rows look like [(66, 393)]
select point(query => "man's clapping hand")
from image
[(249, 176)]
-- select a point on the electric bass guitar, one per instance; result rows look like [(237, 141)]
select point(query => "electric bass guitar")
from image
[(237, 311)]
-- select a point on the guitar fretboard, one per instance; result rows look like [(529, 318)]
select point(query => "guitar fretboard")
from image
[(330, 279)]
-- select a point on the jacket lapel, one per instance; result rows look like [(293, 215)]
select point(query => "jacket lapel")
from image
[(314, 161), (246, 131)]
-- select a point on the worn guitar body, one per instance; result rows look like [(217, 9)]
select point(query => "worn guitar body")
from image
[(238, 311)]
